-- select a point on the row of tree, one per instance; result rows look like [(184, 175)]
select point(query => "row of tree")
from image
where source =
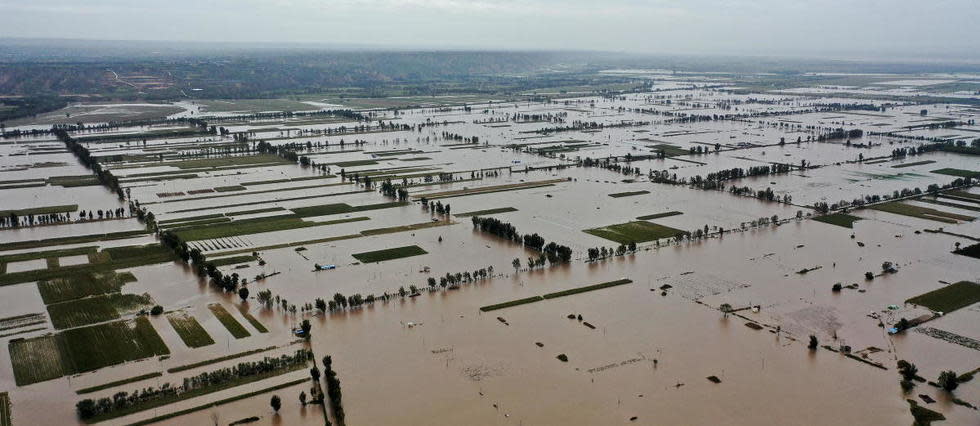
[(88, 408)]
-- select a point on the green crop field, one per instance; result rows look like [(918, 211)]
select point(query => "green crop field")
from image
[(555, 295), (389, 254), (36, 359), (957, 172), (252, 226), (839, 219), (81, 285), (337, 208), (921, 212), (252, 320), (637, 232), (628, 194), (90, 310), (106, 260), (234, 260), (5, 410), (584, 289), (949, 298), (189, 330), (912, 164), (81, 239), (487, 212), (116, 383), (83, 349), (659, 215), (234, 327)]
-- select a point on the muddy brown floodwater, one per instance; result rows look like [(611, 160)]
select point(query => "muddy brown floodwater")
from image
[(657, 350)]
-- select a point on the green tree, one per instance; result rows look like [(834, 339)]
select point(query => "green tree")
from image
[(907, 369), (947, 380), (305, 325), (276, 403), (243, 293)]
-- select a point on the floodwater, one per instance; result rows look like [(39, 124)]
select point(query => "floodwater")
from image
[(437, 359)]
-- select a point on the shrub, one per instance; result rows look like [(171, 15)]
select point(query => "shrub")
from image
[(157, 310)]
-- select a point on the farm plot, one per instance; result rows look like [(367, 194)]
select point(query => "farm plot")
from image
[(636, 232), (839, 219), (36, 359), (389, 254), (82, 285), (234, 327), (949, 298), (921, 212), (189, 330), (95, 309), (83, 349)]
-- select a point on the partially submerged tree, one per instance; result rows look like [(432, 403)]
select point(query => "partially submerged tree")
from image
[(276, 403), (948, 380)]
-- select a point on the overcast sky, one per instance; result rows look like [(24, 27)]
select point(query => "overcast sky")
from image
[(845, 28)]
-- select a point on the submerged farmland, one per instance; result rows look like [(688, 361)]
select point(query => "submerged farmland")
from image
[(668, 255)]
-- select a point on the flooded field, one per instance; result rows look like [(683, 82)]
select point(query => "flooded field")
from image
[(691, 253)]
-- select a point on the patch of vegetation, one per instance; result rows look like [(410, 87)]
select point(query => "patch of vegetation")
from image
[(252, 320), (252, 226), (297, 179), (389, 254), (192, 223), (190, 219), (84, 349), (628, 194), (487, 212), (517, 302), (404, 228), (81, 285), (234, 260), (219, 359), (922, 415), (234, 327), (669, 150), (111, 385), (584, 289), (912, 164), (91, 310), (921, 212), (949, 298), (659, 215), (255, 211), (328, 209), (971, 250), (555, 295), (635, 232), (354, 163), (47, 254), (230, 188), (240, 160), (36, 360), (81, 239), (5, 410), (963, 194), (840, 219), (489, 189), (189, 330), (957, 172)]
